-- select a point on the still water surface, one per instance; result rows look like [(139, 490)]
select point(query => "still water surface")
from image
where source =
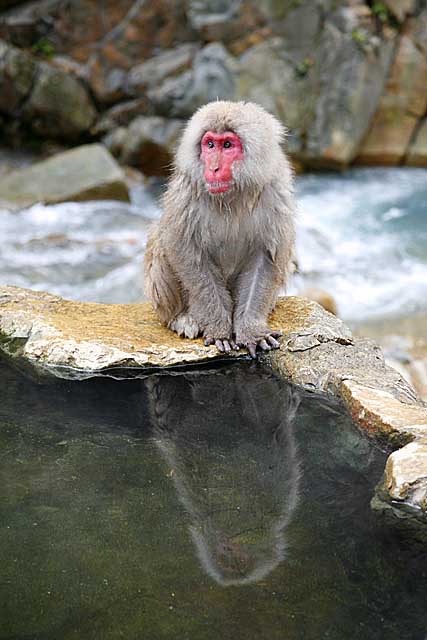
[(212, 504)]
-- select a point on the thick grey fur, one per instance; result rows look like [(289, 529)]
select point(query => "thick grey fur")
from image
[(215, 263)]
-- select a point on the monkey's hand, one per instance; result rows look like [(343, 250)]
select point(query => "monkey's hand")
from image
[(257, 336)]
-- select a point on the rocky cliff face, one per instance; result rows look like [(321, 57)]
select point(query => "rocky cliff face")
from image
[(347, 77)]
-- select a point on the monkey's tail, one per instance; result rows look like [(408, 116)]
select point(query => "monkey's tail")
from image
[(160, 283)]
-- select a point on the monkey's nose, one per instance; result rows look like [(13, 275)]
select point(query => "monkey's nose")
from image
[(214, 163)]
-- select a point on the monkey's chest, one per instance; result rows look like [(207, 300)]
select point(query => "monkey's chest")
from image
[(230, 249)]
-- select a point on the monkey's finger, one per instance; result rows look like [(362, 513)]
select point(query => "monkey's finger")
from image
[(264, 345), (219, 345), (234, 345), (209, 341), (252, 349), (227, 347), (273, 342), (276, 334)]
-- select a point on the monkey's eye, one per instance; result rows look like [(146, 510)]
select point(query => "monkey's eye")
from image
[(227, 144), (211, 144)]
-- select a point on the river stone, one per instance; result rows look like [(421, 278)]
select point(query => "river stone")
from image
[(403, 489), (381, 413), (88, 172)]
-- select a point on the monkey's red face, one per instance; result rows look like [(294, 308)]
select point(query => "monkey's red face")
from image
[(219, 152)]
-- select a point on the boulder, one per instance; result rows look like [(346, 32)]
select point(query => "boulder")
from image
[(17, 72), (348, 76), (212, 77), (264, 70), (85, 173), (121, 115), (228, 22), (148, 144), (59, 105), (28, 24), (402, 104), (51, 101), (147, 28), (126, 32), (318, 351), (154, 71), (403, 489)]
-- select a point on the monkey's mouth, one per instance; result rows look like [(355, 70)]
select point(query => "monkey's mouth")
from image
[(218, 187)]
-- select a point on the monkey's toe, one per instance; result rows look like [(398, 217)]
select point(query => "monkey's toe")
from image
[(225, 345), (185, 325), (264, 340)]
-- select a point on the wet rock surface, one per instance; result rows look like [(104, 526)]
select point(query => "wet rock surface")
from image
[(51, 337), (402, 493), (88, 172)]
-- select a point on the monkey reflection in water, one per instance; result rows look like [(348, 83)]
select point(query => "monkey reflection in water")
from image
[(227, 437)]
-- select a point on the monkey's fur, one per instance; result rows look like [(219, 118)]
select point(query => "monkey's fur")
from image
[(215, 263)]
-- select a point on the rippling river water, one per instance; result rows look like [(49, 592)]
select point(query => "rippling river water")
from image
[(362, 236)]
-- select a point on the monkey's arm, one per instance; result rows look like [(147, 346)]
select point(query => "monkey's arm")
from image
[(267, 268), (256, 292)]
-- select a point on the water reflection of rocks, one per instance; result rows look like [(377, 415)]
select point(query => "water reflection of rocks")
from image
[(228, 439)]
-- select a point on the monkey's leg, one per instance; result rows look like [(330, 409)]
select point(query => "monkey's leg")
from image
[(256, 291), (163, 289), (208, 299)]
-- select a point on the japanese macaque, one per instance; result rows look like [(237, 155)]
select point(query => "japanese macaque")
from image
[(223, 248)]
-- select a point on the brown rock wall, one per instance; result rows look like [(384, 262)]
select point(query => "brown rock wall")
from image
[(321, 67), (403, 103)]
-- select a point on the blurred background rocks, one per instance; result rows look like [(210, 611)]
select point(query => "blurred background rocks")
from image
[(347, 78)]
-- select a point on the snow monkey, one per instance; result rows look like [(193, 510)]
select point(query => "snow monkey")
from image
[(223, 247)]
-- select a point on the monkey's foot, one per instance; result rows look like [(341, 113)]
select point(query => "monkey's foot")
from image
[(185, 325), (264, 339), (225, 345)]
